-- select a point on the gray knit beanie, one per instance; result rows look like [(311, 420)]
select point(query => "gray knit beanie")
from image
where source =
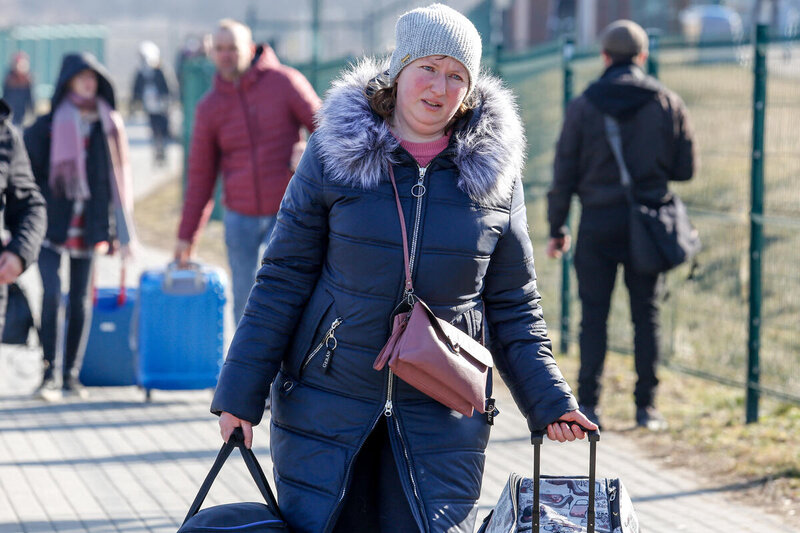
[(436, 30)]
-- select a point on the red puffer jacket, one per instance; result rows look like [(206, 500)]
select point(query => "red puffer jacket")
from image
[(246, 133)]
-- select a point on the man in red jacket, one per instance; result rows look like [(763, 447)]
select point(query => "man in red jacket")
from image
[(248, 128)]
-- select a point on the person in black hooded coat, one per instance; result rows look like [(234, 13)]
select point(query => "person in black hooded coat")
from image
[(79, 156), (658, 147), (355, 448)]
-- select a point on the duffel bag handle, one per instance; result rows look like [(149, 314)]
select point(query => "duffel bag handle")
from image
[(236, 440), (537, 438)]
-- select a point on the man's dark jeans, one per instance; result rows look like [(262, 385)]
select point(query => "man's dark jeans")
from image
[(78, 308), (602, 246)]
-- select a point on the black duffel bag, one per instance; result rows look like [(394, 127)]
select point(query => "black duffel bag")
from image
[(661, 236), (239, 517)]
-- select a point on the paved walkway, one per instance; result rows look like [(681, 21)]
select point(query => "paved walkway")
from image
[(113, 463)]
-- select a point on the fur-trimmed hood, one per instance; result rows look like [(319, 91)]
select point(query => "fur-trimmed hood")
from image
[(356, 146)]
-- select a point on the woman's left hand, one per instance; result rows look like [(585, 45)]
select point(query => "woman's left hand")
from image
[(562, 431)]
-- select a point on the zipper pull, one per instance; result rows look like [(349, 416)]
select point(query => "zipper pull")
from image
[(330, 344), (387, 409), (418, 190)]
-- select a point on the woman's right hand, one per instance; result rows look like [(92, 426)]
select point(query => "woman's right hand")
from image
[(228, 422)]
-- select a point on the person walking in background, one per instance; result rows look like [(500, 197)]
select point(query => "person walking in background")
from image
[(23, 218), (658, 146), (354, 448), (193, 47), (18, 88), (79, 155), (152, 92), (248, 128)]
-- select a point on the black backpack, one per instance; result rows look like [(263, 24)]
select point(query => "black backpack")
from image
[(235, 517)]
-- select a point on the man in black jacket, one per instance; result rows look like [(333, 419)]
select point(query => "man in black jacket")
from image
[(657, 147), (22, 208)]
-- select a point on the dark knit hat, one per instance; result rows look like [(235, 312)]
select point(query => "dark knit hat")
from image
[(436, 30), (624, 38)]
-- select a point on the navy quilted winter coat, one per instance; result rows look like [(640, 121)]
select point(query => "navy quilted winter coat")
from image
[(335, 263)]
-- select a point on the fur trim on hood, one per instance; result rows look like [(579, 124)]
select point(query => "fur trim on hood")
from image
[(356, 146)]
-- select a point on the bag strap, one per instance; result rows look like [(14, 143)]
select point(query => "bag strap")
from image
[(236, 440), (122, 296), (409, 285), (537, 437), (615, 142)]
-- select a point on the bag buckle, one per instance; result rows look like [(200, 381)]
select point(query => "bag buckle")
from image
[(491, 411)]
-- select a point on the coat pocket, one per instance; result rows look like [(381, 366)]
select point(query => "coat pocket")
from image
[(324, 349), (317, 319)]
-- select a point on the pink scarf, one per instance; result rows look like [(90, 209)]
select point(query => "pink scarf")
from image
[(68, 153)]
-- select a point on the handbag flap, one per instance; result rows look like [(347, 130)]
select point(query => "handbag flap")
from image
[(459, 341)]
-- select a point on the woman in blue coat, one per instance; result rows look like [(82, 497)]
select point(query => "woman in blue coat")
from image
[(355, 449)]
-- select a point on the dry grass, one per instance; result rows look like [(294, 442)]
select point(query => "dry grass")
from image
[(157, 218), (754, 463)]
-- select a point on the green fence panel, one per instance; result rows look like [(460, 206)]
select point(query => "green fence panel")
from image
[(196, 78), (45, 45)]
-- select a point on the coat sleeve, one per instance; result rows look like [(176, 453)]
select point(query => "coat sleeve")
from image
[(303, 100), (37, 143), (25, 212), (521, 349), (566, 171), (201, 176), (289, 271), (686, 161)]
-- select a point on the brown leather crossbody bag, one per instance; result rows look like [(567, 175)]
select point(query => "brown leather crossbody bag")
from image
[(431, 354)]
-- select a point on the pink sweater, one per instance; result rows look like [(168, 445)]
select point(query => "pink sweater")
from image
[(425, 152)]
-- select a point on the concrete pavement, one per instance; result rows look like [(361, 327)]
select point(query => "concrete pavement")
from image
[(112, 463)]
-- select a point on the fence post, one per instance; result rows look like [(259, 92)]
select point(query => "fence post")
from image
[(315, 12), (756, 220), (566, 260), (654, 36)]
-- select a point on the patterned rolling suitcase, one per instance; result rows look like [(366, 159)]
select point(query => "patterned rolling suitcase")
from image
[(180, 328), (562, 504)]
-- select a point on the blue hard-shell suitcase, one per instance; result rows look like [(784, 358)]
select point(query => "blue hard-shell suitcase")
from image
[(180, 329), (109, 359)]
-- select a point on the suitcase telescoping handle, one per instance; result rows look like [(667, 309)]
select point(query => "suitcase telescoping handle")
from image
[(122, 295), (537, 438), (186, 279), (236, 440)]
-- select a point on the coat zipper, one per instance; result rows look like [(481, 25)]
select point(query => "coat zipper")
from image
[(347, 475), (410, 470), (330, 335), (418, 190), (256, 183)]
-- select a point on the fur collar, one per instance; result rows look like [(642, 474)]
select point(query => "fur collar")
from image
[(356, 146)]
